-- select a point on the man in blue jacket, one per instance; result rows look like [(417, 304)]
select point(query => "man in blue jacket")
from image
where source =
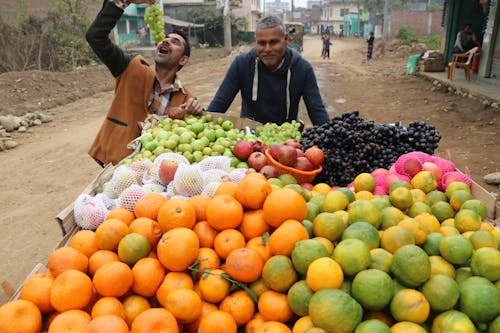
[(272, 79)]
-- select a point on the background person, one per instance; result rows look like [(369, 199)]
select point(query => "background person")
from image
[(272, 79), (140, 88), (370, 41), (466, 40)]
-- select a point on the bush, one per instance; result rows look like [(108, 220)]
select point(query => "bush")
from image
[(405, 33)]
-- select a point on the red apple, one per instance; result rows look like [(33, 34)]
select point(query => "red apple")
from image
[(273, 150), (293, 143), (257, 160), (287, 155), (303, 164), (242, 149), (315, 155), (300, 153), (166, 171), (269, 171)]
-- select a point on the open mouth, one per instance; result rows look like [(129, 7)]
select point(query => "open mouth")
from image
[(163, 49)]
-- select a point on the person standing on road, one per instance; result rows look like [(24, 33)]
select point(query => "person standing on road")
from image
[(272, 79), (326, 46), (370, 42), (140, 88)]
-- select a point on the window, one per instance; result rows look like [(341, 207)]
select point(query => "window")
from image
[(132, 25), (122, 27)]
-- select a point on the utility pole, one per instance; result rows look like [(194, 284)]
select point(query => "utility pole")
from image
[(385, 26), (227, 28)]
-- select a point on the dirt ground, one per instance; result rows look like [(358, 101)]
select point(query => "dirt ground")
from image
[(50, 167)]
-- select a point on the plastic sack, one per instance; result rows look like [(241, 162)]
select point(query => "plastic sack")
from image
[(411, 66)]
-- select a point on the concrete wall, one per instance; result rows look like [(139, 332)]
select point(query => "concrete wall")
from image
[(39, 8)]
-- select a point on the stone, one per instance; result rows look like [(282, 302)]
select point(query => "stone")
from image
[(492, 178)]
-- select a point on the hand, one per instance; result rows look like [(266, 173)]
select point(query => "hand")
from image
[(192, 106)]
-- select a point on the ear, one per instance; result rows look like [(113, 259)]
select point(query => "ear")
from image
[(183, 60), (286, 38)]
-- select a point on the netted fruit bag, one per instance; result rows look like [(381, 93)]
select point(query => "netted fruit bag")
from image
[(151, 176), (129, 197), (89, 212), (123, 178)]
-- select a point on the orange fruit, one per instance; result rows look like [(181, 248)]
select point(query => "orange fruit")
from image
[(364, 182), (324, 273), (244, 265), (274, 306), (121, 214), (178, 249), (284, 204), (200, 202), (258, 244), (107, 323), (171, 282), (109, 233), (71, 289), (206, 308), (85, 242), (273, 327), (255, 323), (224, 212), (20, 316), (148, 228), (100, 258), (240, 306), (227, 241), (217, 322), (283, 239), (148, 275), (36, 289), (133, 306), (226, 188), (175, 213), (133, 247), (149, 205), (207, 259), (184, 304), (154, 320), (70, 321), (410, 305), (396, 236), (108, 306), (206, 233), (113, 279), (213, 286), (251, 192), (253, 224), (65, 258)]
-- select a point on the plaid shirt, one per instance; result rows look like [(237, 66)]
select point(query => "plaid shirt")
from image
[(159, 100)]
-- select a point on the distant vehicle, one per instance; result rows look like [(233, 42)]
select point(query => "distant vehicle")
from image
[(295, 35)]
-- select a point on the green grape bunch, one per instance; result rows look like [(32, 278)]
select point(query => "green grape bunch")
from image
[(154, 18)]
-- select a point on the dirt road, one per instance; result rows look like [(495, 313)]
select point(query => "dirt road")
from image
[(51, 167)]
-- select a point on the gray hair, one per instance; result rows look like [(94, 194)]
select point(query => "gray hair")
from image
[(271, 21)]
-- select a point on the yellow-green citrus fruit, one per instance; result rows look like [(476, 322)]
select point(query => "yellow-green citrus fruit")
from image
[(299, 296), (479, 299), (363, 231), (442, 292), (411, 266), (334, 201), (410, 305), (305, 252), (452, 321), (353, 255), (328, 225), (431, 244), (485, 262), (373, 289), (381, 260), (335, 311), (364, 211), (456, 249), (372, 326)]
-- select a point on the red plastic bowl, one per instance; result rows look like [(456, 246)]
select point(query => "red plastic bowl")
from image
[(300, 176)]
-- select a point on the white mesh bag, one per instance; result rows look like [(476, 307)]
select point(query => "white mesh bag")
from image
[(123, 177), (215, 175), (170, 191), (141, 166), (188, 180), (130, 196), (215, 162), (89, 212), (210, 189), (151, 176), (154, 188), (107, 189), (237, 175), (107, 201)]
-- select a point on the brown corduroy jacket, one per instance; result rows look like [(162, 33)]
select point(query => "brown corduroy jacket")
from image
[(128, 109)]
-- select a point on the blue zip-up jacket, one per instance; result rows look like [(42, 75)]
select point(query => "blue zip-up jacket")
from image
[(271, 96)]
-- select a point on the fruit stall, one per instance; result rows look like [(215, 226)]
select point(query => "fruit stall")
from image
[(217, 224)]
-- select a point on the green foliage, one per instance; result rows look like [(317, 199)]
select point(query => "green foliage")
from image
[(433, 42), (55, 42), (214, 26), (405, 33)]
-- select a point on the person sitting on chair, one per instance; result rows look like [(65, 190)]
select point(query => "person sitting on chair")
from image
[(466, 40)]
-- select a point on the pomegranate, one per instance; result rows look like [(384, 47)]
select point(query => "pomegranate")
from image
[(242, 149), (257, 160), (315, 155), (287, 155)]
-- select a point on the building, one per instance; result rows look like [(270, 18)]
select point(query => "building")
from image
[(276, 7), (332, 16)]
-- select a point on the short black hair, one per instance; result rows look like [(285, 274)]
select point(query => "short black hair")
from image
[(187, 47)]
